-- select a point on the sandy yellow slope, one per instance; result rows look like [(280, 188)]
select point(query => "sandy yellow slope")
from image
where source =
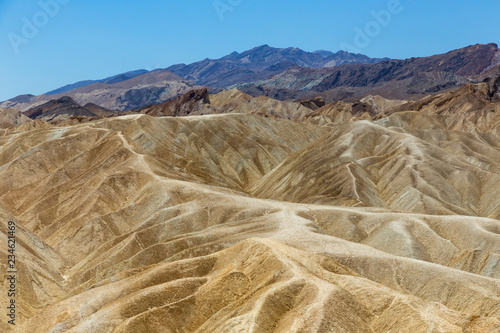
[(240, 223), (406, 162)]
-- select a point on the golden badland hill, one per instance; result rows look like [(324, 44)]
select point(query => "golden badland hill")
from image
[(243, 223)]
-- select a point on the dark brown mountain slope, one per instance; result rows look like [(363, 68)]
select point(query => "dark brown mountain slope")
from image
[(396, 79), (193, 102), (63, 107), (100, 111)]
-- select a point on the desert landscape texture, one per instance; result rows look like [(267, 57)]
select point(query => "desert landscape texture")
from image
[(298, 192)]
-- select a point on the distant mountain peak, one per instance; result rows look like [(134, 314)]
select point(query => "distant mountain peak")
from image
[(260, 63), (229, 56), (323, 53)]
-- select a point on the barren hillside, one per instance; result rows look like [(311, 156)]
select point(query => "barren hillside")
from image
[(242, 223)]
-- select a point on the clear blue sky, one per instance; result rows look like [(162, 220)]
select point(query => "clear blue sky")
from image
[(90, 39)]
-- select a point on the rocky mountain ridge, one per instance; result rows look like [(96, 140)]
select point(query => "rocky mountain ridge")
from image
[(393, 79), (286, 74), (141, 88), (260, 63)]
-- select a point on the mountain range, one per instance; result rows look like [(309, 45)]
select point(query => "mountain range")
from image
[(109, 80), (150, 88), (391, 78), (284, 74), (260, 63), (140, 88)]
